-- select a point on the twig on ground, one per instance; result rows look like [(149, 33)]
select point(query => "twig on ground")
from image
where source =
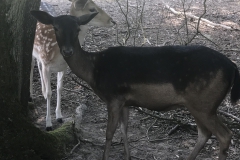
[(234, 49), (69, 90), (166, 138), (92, 143), (138, 158), (75, 146), (173, 129), (152, 115), (145, 118), (235, 12), (230, 115), (149, 128)]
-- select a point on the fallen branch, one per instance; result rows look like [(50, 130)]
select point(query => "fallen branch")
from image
[(69, 90), (92, 143), (166, 119), (235, 12), (181, 124), (173, 129), (235, 50), (163, 139), (229, 115), (149, 128), (75, 146), (196, 17)]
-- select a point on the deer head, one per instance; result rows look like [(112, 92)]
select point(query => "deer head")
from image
[(67, 34), (82, 7)]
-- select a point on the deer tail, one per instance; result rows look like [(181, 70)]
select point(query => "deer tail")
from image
[(235, 92)]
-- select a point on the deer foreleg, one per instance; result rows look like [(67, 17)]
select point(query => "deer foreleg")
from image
[(124, 125), (60, 77), (114, 111), (47, 84)]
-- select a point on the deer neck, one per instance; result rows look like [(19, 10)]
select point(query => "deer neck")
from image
[(82, 63)]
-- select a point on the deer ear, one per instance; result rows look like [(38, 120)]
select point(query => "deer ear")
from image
[(80, 4), (82, 20), (42, 17)]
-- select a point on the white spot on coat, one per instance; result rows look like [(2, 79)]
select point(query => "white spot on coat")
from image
[(53, 44)]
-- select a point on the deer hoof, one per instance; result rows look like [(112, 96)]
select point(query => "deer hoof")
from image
[(48, 128), (60, 120)]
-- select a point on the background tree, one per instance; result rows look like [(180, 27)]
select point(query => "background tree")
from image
[(19, 138)]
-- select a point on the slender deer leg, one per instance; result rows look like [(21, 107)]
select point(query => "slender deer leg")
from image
[(211, 124), (114, 111), (222, 133), (60, 77), (224, 136), (46, 81), (124, 125), (203, 135), (42, 81), (31, 80)]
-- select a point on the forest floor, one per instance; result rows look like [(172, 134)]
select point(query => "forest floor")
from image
[(148, 136)]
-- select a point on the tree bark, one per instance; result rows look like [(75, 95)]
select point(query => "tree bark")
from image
[(17, 34), (19, 138)]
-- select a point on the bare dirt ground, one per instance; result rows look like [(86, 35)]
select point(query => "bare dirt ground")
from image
[(148, 136)]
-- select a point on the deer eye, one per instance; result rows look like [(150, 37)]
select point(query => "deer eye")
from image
[(92, 10)]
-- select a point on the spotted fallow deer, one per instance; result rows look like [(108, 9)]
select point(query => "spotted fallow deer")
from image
[(157, 78), (47, 53)]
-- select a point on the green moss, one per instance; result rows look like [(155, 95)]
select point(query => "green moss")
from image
[(19, 139), (64, 134)]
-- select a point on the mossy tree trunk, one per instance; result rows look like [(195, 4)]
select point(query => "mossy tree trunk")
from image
[(19, 138)]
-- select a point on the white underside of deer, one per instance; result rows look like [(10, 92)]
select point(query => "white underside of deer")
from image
[(47, 52)]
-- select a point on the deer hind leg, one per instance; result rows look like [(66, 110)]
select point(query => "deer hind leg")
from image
[(203, 135), (114, 111), (211, 124), (58, 112), (48, 94), (224, 136), (123, 126)]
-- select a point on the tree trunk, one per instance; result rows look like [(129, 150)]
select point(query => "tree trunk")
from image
[(19, 138), (17, 29)]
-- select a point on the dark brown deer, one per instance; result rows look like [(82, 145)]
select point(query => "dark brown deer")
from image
[(157, 78), (47, 52)]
